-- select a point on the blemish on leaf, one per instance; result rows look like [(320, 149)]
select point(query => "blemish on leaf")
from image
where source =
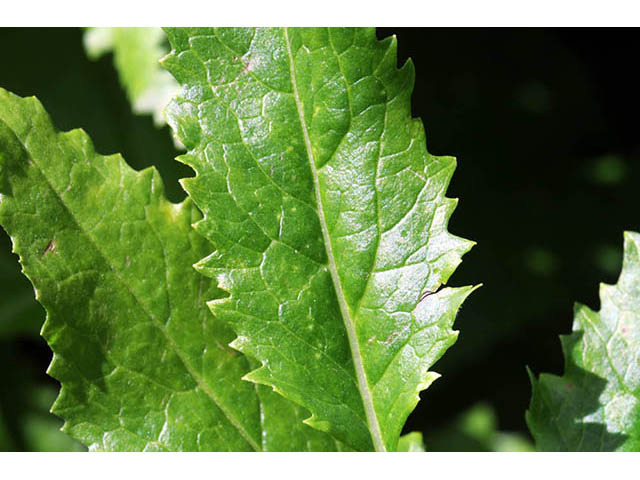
[(51, 248)]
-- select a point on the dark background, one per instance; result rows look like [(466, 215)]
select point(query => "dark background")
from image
[(543, 123)]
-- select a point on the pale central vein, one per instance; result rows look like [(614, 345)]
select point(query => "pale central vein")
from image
[(363, 383)]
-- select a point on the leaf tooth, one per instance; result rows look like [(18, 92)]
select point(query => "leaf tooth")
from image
[(191, 161), (315, 422), (259, 375), (429, 377), (388, 64), (240, 343), (55, 366), (581, 312), (218, 302), (200, 227), (182, 116)]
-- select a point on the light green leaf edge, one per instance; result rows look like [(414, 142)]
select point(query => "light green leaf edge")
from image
[(266, 115), (595, 405), (142, 363)]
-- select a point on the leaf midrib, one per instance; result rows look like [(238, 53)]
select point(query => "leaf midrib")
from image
[(363, 384), (198, 379)]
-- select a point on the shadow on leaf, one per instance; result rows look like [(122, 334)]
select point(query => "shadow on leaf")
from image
[(566, 413)]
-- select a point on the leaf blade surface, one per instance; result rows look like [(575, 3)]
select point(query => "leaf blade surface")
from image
[(328, 215)]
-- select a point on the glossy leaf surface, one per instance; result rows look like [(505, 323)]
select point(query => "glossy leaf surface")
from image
[(595, 405), (328, 216)]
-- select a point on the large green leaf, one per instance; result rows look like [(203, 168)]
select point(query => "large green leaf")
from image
[(595, 405), (142, 362), (328, 214)]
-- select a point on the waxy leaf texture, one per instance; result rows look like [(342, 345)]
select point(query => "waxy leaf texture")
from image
[(328, 216), (142, 362), (595, 405)]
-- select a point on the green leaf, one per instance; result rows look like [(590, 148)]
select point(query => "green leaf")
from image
[(136, 52), (142, 362), (595, 405), (328, 215)]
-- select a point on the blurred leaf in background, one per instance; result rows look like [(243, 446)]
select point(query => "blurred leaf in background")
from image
[(136, 52), (476, 430), (607, 170)]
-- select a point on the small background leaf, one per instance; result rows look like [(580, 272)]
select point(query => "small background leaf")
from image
[(595, 405)]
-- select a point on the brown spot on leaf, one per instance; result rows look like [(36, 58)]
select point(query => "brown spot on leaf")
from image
[(51, 248)]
